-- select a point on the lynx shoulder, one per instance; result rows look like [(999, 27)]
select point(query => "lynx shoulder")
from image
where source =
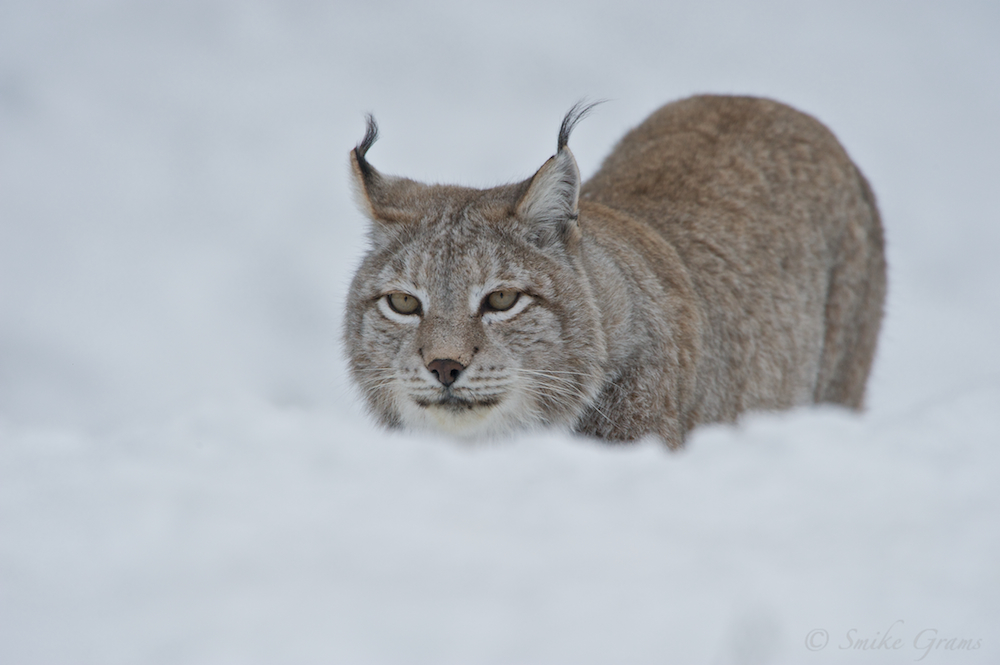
[(727, 256)]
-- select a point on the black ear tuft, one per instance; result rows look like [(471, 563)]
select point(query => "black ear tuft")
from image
[(360, 150), (575, 115)]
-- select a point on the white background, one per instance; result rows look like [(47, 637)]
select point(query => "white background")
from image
[(187, 477)]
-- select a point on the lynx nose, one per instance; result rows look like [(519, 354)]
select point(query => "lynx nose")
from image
[(446, 371)]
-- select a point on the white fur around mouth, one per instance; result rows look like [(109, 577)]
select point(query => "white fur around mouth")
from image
[(458, 416)]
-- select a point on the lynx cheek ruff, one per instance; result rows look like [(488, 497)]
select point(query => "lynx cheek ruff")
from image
[(727, 256)]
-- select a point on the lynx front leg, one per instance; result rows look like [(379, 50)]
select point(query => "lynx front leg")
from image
[(634, 404)]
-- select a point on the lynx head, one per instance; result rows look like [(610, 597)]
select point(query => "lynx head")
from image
[(470, 312)]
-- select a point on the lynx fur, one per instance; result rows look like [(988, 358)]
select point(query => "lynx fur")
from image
[(727, 256)]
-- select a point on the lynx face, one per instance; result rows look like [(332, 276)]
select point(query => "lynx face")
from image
[(458, 322), (471, 313)]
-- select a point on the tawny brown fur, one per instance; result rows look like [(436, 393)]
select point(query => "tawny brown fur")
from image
[(727, 256)]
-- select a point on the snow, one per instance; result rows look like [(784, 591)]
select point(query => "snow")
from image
[(187, 477)]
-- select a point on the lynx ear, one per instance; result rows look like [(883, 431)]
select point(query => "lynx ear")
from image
[(551, 204), (554, 193), (383, 199)]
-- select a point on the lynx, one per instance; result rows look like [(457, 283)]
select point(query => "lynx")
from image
[(727, 256)]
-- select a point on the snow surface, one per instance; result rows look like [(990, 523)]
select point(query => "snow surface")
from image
[(186, 476)]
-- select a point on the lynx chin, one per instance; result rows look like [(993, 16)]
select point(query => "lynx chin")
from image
[(727, 256)]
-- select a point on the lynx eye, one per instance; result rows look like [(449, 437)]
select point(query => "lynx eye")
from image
[(501, 301), (403, 303)]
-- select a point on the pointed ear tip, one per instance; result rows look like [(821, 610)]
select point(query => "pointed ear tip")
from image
[(567, 154), (357, 169), (566, 161), (361, 167)]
